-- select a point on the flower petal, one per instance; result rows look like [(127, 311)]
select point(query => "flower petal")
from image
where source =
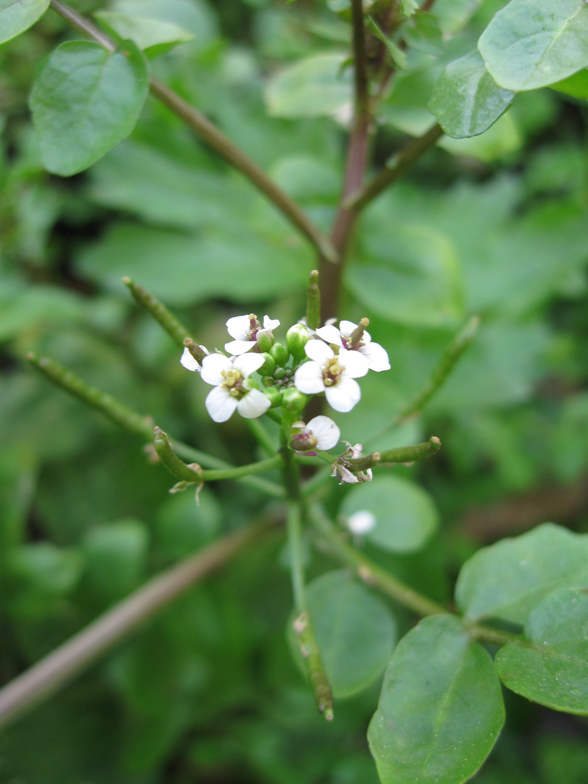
[(355, 364), (347, 327), (247, 364), (319, 351), (254, 404), (376, 356), (325, 431), (269, 323), (344, 395), (212, 368), (189, 362), (238, 327), (330, 334), (219, 404), (309, 378), (238, 347)]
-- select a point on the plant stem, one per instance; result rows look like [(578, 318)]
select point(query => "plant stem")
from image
[(261, 435), (216, 139), (159, 312), (405, 454), (240, 471), (396, 168), (313, 301), (76, 655), (172, 462)]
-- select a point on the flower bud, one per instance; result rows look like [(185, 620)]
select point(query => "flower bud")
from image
[(268, 366), (296, 338), (294, 400), (303, 442), (280, 353), (275, 396), (264, 342)]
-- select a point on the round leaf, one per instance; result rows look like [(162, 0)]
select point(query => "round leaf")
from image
[(405, 514), (440, 710), (315, 87), (553, 669), (354, 630), (507, 579), (16, 16), (466, 100), (116, 556), (85, 101), (535, 43)]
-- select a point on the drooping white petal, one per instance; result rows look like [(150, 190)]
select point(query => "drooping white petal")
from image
[(189, 362), (220, 404), (238, 347), (319, 351), (330, 334), (247, 364), (238, 327), (355, 364), (361, 522), (269, 323), (212, 368), (309, 378), (376, 356), (325, 431), (253, 405), (344, 474), (344, 395)]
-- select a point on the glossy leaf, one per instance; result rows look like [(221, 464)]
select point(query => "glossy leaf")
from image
[(466, 100), (509, 578), (85, 101), (553, 669), (440, 710), (315, 87), (153, 36), (354, 629), (16, 16), (405, 514), (535, 43)]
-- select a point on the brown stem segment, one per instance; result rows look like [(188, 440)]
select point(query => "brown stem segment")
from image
[(215, 138)]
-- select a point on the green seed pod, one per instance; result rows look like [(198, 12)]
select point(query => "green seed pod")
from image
[(268, 366), (275, 396), (280, 353), (296, 338), (294, 400), (264, 342)]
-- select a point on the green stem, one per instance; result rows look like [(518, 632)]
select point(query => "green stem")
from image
[(159, 312), (61, 666), (215, 138), (406, 454), (172, 462), (396, 168), (240, 471), (313, 302), (261, 435)]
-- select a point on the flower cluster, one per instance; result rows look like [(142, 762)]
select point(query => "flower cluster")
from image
[(312, 362)]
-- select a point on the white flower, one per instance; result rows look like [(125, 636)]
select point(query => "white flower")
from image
[(190, 362), (361, 523), (341, 469), (320, 433), (375, 354), (246, 330), (332, 374), (231, 390)]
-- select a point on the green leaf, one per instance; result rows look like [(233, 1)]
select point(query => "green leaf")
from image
[(315, 87), (116, 556), (576, 85), (507, 579), (440, 710), (354, 630), (153, 36), (85, 100), (535, 43), (466, 100), (408, 7), (424, 34), (453, 15), (553, 669), (415, 280), (16, 16), (405, 514)]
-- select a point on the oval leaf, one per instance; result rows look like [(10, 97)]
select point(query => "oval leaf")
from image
[(440, 710), (535, 43), (509, 578), (553, 669), (16, 16), (153, 36), (85, 101), (354, 630), (466, 100), (405, 514), (315, 87)]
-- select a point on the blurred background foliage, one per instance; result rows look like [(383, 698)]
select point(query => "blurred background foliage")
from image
[(494, 225)]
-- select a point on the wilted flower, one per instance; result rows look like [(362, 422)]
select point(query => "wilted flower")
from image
[(375, 354), (342, 470), (231, 389), (247, 331), (333, 374), (320, 433)]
